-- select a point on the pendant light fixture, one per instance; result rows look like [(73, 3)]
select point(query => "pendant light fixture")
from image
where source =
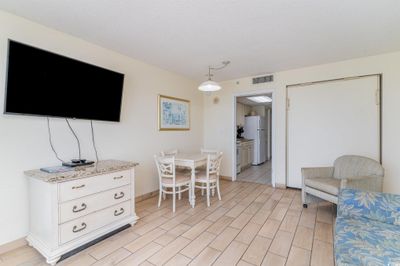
[(209, 85)]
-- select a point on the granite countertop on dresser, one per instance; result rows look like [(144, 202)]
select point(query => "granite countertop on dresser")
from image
[(102, 167)]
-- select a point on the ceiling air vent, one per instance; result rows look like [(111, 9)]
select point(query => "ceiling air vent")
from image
[(263, 79)]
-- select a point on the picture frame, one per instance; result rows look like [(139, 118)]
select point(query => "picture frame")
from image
[(173, 113)]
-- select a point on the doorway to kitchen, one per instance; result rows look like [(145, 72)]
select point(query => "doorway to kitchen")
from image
[(253, 141)]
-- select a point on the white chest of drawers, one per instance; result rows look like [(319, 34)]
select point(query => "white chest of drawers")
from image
[(68, 210)]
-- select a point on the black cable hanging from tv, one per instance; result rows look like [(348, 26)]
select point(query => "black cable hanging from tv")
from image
[(94, 143), (76, 137), (51, 142)]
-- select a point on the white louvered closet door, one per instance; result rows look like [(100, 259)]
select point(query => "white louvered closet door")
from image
[(329, 119)]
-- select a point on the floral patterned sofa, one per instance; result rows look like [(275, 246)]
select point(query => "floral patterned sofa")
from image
[(367, 228)]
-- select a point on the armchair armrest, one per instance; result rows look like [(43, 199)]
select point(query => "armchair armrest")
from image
[(317, 172), (368, 183)]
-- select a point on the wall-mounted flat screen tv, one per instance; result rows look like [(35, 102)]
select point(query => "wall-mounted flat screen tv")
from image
[(47, 84)]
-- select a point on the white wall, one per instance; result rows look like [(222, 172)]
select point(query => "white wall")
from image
[(218, 127), (23, 139)]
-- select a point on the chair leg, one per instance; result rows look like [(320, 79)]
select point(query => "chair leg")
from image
[(213, 191), (218, 191), (208, 194), (303, 198), (159, 197), (202, 192), (164, 196), (180, 194), (173, 199)]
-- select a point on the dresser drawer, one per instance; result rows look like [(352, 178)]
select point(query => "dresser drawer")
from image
[(82, 187), (80, 207), (89, 223)]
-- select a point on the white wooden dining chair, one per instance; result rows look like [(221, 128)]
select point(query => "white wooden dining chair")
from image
[(171, 182), (208, 179), (208, 151), (169, 152)]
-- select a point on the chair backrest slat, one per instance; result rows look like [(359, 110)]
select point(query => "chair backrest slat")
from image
[(213, 164), (165, 167), (169, 152)]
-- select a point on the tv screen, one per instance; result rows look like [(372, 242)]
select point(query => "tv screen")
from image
[(47, 84)]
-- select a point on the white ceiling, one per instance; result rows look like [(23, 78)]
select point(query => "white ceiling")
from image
[(246, 101), (258, 36)]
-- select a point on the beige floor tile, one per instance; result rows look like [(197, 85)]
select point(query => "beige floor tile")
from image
[(217, 214), (166, 253), (146, 263), (236, 210), (307, 219), (303, 237), (112, 244), (232, 254), (298, 257), (281, 243), (144, 240), (248, 233), (113, 258), (243, 263), (150, 226), (174, 221), (76, 260), (254, 207), (260, 217), (220, 225), (274, 260), (279, 211), (21, 255), (322, 254), (165, 239), (224, 239), (323, 232), (141, 255), (179, 230), (257, 250), (196, 230), (194, 219), (289, 223), (206, 257), (325, 214), (270, 228), (241, 220), (197, 245), (178, 260)]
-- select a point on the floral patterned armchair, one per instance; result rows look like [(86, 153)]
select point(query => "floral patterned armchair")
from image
[(367, 230)]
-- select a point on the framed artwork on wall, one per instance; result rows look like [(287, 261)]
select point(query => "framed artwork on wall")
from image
[(173, 113)]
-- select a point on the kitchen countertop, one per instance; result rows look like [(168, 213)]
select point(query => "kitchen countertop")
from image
[(102, 167), (238, 141)]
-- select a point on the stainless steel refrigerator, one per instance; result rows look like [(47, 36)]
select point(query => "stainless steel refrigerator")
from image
[(255, 127)]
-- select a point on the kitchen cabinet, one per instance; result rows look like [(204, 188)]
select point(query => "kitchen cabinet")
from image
[(246, 150)]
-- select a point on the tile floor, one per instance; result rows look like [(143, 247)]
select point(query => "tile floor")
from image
[(260, 174), (254, 224)]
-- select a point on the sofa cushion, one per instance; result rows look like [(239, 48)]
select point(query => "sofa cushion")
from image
[(382, 207), (366, 242), (326, 184)]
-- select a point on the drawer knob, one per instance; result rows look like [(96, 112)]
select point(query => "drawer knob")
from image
[(121, 211), (118, 177), (77, 187), (75, 229), (83, 207), (121, 195)]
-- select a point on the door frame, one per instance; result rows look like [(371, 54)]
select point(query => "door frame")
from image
[(287, 103), (273, 125)]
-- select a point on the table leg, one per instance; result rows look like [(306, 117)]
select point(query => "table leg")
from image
[(193, 201)]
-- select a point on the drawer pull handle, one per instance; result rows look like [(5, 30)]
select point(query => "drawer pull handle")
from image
[(77, 187), (76, 229), (121, 211), (83, 207), (121, 195), (118, 177)]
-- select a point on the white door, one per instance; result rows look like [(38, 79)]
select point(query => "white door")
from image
[(330, 119)]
